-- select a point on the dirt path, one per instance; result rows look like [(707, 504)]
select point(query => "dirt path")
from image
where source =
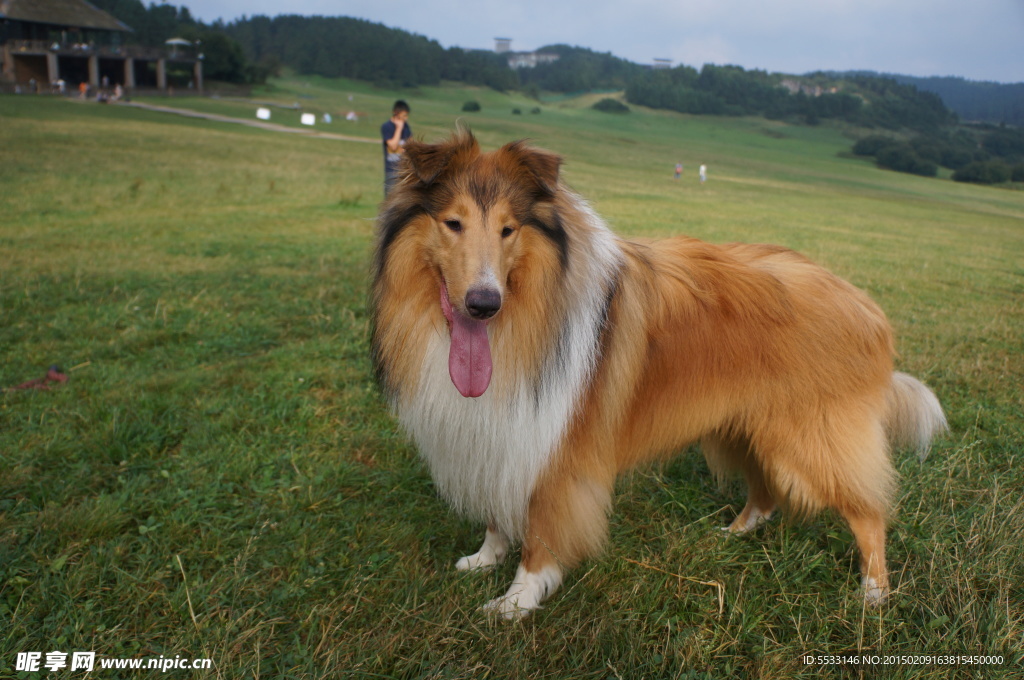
[(310, 132)]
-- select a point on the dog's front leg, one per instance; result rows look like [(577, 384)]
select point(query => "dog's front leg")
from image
[(527, 591), (568, 522), (491, 553)]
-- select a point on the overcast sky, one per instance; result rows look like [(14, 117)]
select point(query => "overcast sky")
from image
[(975, 39)]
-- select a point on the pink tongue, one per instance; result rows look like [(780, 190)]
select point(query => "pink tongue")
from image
[(469, 359)]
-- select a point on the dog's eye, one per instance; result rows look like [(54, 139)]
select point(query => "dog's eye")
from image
[(506, 232), (454, 225)]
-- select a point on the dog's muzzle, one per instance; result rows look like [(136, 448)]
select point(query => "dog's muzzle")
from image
[(483, 303)]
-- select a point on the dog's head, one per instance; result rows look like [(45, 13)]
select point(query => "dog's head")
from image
[(479, 204), (477, 214)]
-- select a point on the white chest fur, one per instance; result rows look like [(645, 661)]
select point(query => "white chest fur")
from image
[(485, 454)]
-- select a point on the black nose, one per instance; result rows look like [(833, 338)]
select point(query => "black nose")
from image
[(483, 303)]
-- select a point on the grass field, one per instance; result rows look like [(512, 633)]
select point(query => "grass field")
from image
[(220, 479)]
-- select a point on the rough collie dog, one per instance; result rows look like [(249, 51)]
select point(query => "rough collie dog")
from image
[(533, 355)]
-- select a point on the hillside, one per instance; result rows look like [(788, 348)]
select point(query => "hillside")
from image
[(349, 47), (975, 101), (972, 101), (250, 48)]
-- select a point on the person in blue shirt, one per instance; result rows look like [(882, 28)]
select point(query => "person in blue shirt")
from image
[(393, 133)]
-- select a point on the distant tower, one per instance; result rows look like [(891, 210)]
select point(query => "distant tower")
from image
[(502, 45)]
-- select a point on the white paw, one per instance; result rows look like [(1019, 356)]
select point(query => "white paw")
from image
[(491, 553), (508, 608), (526, 593), (874, 594), (480, 560)]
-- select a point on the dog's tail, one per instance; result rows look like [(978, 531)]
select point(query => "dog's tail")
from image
[(914, 416)]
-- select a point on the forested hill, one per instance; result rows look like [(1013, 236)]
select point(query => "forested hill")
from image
[(733, 90), (248, 49), (973, 101), (985, 102), (356, 48), (579, 70)]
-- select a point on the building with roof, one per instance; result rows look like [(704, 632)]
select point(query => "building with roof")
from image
[(46, 42), (522, 59)]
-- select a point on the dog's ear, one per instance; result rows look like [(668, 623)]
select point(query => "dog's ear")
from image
[(429, 161), (542, 166)]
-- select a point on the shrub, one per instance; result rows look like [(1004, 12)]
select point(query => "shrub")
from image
[(869, 146), (1017, 174), (903, 158), (516, 112), (1007, 143), (928, 149), (954, 159), (535, 109), (609, 105), (471, 106), (984, 172)]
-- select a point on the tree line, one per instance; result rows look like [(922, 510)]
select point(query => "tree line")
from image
[(733, 90), (248, 49), (973, 101), (981, 154), (355, 48), (978, 102)]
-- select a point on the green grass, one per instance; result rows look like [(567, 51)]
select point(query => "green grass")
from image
[(219, 477)]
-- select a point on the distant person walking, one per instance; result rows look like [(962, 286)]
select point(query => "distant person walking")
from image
[(703, 173), (679, 170), (393, 133)]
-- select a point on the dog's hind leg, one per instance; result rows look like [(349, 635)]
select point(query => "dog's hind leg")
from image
[(843, 463), (727, 455), (491, 553), (863, 499), (869, 532)]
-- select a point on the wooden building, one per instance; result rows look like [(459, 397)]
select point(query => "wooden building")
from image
[(71, 41)]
